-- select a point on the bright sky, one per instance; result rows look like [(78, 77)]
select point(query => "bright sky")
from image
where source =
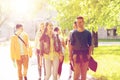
[(22, 7), (27, 9)]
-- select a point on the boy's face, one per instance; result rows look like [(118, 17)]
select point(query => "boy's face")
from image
[(20, 29), (80, 23)]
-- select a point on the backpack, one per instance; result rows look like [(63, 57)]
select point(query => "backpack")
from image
[(57, 43), (44, 44)]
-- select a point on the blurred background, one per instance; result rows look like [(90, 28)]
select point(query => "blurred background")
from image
[(102, 18)]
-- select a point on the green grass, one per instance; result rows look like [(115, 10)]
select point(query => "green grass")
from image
[(108, 67), (108, 58), (109, 40)]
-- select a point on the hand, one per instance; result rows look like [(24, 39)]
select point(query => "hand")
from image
[(30, 56), (13, 60), (35, 51), (61, 57), (88, 56), (14, 64), (70, 58)]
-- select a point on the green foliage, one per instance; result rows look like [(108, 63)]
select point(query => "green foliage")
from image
[(4, 11), (118, 29), (97, 13)]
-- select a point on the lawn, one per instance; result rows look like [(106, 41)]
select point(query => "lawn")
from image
[(108, 58), (109, 40)]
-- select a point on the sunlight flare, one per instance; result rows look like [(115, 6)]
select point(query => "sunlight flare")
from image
[(22, 7)]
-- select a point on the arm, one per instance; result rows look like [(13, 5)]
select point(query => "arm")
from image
[(90, 45), (63, 43), (37, 42), (12, 48), (70, 42), (27, 40), (29, 48), (70, 51), (90, 50)]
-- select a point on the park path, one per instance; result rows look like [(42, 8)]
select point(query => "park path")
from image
[(108, 43), (8, 70)]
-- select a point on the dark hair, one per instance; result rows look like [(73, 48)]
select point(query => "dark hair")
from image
[(56, 29), (80, 17), (46, 25), (18, 26), (75, 22)]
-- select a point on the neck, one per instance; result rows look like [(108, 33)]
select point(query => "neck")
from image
[(81, 29), (18, 32), (49, 34)]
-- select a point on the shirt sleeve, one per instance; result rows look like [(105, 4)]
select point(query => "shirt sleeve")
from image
[(12, 47), (37, 42), (72, 39), (89, 39)]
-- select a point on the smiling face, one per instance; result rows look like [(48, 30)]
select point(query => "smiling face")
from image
[(41, 26), (80, 23), (50, 27)]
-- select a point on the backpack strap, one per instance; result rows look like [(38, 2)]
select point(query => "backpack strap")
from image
[(21, 40)]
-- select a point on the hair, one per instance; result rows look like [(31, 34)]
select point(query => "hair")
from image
[(41, 24), (46, 25), (80, 17), (39, 28), (18, 26), (56, 29), (75, 23)]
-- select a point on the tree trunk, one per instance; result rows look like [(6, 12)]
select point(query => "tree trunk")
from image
[(95, 38)]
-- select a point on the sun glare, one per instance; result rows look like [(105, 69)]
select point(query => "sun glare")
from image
[(22, 7)]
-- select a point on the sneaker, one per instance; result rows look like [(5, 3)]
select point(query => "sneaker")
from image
[(25, 78), (39, 79), (69, 77)]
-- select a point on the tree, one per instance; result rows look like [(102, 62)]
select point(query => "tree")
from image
[(4, 12), (97, 13)]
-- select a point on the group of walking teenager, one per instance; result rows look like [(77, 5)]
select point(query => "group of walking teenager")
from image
[(50, 50)]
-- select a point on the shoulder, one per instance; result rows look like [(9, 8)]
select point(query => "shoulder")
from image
[(38, 34), (13, 37), (25, 34), (74, 31), (88, 32)]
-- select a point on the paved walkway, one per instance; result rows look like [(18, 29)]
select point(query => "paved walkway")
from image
[(64, 75), (108, 43), (8, 70)]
